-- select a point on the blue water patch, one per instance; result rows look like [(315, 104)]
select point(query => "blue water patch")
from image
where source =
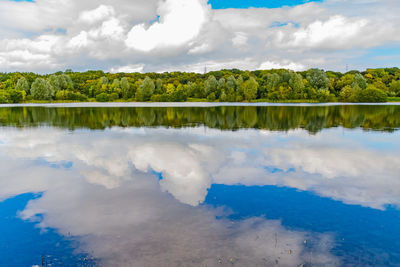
[(363, 236), (24, 244)]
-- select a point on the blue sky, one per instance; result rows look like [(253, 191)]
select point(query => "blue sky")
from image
[(218, 4), (186, 35)]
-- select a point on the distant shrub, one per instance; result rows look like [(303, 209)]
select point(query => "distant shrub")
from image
[(113, 96), (69, 95), (155, 98), (164, 98), (372, 95), (211, 97), (103, 97), (239, 98), (350, 94), (4, 97), (16, 96), (323, 95)]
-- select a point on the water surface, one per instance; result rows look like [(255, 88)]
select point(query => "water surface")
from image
[(200, 186)]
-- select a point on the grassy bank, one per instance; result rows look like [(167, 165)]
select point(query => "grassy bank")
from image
[(389, 99), (393, 99)]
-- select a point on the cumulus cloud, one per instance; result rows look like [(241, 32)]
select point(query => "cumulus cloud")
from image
[(100, 13), (128, 68), (174, 34), (180, 21), (285, 65)]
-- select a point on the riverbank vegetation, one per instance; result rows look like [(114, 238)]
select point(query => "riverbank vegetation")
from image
[(314, 85)]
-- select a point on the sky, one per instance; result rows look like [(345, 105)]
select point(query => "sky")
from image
[(46, 36)]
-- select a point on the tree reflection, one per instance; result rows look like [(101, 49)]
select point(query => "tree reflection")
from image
[(279, 118)]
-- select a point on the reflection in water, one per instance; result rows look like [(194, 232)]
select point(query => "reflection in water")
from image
[(283, 118), (149, 196), (113, 203)]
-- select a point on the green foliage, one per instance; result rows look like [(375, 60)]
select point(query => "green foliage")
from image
[(350, 94), (23, 85), (297, 85), (4, 97), (211, 85), (211, 97), (283, 118), (69, 95), (103, 97), (318, 79), (223, 86), (359, 81), (145, 90), (250, 89), (42, 90), (126, 88), (395, 88), (372, 95), (16, 96)]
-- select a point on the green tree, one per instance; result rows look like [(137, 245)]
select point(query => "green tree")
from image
[(372, 95), (395, 88), (4, 97), (250, 89), (211, 85), (231, 83), (103, 97), (55, 82), (349, 93), (159, 86), (359, 81), (297, 84), (126, 88), (16, 96), (104, 80), (318, 79), (145, 90), (22, 85), (41, 89), (272, 82)]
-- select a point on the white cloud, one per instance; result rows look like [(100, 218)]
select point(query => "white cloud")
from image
[(128, 68), (99, 14), (337, 31), (189, 33), (180, 22), (79, 41), (240, 39), (286, 65)]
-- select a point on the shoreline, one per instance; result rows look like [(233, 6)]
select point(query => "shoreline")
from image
[(188, 104)]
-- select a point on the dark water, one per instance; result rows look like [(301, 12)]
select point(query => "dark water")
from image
[(217, 186)]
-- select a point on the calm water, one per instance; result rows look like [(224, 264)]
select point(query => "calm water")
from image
[(200, 186)]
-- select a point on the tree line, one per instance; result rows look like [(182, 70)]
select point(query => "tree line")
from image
[(315, 85)]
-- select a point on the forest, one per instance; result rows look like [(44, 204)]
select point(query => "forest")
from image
[(280, 85)]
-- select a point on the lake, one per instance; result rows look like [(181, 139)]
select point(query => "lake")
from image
[(237, 185)]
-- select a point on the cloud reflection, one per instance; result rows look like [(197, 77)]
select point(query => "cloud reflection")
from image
[(111, 199)]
